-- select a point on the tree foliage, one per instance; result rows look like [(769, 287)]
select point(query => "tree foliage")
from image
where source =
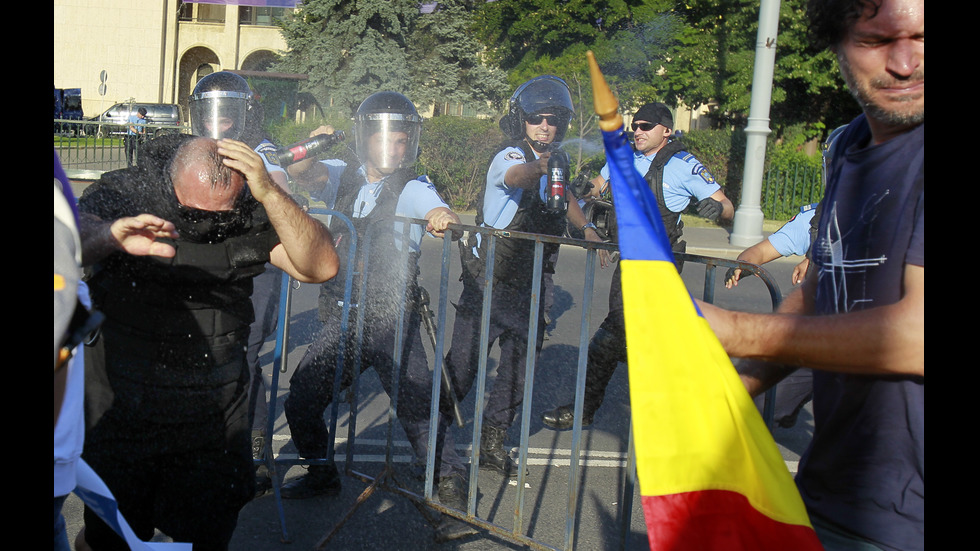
[(456, 154), (353, 48), (714, 58), (677, 51), (445, 65)]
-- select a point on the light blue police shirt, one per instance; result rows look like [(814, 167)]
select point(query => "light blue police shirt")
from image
[(416, 200), (794, 236), (684, 177)]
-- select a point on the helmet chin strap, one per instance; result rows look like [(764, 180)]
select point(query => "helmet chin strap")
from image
[(540, 147)]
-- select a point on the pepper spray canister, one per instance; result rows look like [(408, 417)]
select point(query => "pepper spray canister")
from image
[(557, 177), (309, 147)]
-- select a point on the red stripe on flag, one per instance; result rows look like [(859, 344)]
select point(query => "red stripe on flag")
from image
[(719, 520)]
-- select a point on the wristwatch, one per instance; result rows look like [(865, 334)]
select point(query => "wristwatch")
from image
[(589, 225)]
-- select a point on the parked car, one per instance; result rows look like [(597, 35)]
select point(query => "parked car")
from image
[(164, 116)]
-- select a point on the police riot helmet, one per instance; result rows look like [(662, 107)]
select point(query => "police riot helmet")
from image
[(219, 106), (379, 123), (544, 94)]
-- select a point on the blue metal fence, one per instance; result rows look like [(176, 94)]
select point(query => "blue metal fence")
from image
[(511, 525), (786, 188)]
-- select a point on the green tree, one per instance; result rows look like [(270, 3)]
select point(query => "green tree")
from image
[(714, 56), (348, 49), (456, 153), (520, 32), (445, 62), (351, 49)]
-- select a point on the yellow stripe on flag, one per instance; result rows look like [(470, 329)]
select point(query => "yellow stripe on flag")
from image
[(695, 426)]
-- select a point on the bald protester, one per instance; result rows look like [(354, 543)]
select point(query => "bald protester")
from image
[(166, 412)]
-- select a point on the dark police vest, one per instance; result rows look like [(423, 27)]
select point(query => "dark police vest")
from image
[(377, 253), (514, 258), (655, 179)]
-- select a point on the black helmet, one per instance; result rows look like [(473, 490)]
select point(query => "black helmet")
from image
[(219, 105), (384, 113), (543, 94)]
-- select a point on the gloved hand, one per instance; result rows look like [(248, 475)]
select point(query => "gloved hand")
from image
[(710, 208), (734, 275), (581, 185)]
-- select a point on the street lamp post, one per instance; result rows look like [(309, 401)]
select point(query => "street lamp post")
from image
[(747, 227)]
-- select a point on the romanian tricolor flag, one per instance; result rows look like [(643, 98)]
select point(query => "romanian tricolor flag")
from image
[(711, 476)]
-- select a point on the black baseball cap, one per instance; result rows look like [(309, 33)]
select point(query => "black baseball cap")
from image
[(657, 113)]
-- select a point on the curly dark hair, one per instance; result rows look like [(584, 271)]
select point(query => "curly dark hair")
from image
[(830, 19)]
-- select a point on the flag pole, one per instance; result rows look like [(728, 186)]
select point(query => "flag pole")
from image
[(606, 104)]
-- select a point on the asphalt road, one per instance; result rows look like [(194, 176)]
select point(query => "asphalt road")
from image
[(388, 520)]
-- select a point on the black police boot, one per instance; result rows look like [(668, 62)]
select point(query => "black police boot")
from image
[(263, 482), (493, 455), (320, 480), (452, 493), (562, 417)]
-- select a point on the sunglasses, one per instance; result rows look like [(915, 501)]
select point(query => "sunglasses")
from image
[(644, 126), (553, 120)]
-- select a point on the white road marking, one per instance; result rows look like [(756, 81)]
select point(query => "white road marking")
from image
[(553, 457)]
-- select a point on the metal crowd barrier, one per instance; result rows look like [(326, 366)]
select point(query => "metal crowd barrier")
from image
[(84, 155), (424, 500)]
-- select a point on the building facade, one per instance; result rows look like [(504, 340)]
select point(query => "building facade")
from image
[(155, 51)]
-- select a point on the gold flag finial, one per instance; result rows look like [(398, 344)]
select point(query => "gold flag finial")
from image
[(606, 105)]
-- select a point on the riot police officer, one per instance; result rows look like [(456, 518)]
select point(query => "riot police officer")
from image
[(224, 106), (675, 176), (371, 191), (515, 198)]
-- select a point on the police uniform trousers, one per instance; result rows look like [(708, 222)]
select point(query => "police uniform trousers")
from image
[(509, 322), (792, 393), (267, 288), (311, 388), (607, 347), (173, 443)]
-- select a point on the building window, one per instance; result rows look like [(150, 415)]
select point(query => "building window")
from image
[(457, 109), (201, 13), (255, 15), (203, 71)]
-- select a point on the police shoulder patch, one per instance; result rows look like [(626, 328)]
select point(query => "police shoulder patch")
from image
[(514, 156), (699, 170), (428, 183)]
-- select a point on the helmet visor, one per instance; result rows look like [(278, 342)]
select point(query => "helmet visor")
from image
[(218, 114), (387, 141)]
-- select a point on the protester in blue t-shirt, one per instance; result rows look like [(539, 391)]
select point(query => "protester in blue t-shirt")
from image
[(859, 319)]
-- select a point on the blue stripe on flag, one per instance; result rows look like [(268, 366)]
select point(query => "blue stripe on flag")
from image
[(637, 213)]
